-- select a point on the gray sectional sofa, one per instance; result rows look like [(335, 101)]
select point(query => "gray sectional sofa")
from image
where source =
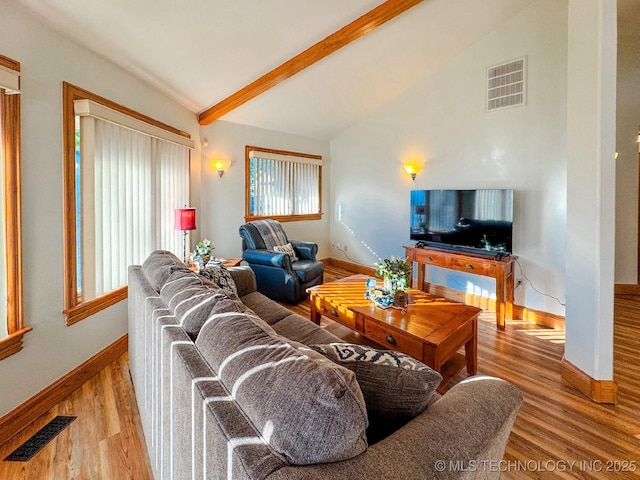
[(231, 385)]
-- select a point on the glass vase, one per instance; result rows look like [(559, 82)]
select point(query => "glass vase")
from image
[(393, 284)]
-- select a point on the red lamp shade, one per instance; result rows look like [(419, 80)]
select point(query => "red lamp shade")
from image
[(185, 219)]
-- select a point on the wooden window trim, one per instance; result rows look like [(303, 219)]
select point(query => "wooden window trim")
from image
[(12, 343), (10, 105), (247, 182), (84, 309), (285, 218), (77, 309)]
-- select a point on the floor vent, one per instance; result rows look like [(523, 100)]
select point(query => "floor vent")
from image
[(37, 442), (506, 85)]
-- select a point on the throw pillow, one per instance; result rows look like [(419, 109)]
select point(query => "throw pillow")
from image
[(393, 384), (308, 409), (288, 249), (219, 275), (222, 307), (191, 299), (159, 265)]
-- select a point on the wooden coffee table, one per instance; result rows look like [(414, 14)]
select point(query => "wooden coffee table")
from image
[(431, 329)]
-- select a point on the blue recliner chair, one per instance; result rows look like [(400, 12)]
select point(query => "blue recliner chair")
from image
[(279, 275)]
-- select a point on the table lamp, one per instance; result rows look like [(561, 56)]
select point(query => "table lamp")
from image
[(185, 221)]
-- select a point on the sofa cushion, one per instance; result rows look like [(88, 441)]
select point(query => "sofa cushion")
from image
[(300, 329), (393, 384), (219, 275), (159, 265), (270, 311), (308, 409), (191, 300)]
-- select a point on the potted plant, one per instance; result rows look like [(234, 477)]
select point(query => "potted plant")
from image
[(396, 273), (202, 253)]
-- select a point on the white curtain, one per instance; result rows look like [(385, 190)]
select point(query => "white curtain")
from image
[(130, 192), (285, 186)]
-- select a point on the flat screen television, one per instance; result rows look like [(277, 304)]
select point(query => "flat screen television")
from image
[(475, 221)]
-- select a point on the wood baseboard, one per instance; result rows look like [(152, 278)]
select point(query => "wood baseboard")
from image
[(352, 267), (599, 391), (626, 289), (541, 318), (22, 416)]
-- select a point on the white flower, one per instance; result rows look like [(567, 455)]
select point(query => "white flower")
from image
[(203, 248)]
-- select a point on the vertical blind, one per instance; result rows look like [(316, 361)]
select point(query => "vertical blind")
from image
[(129, 193), (283, 184), (493, 204), (172, 192), (443, 206)]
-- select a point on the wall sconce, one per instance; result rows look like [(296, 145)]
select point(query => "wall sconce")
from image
[(638, 140), (220, 166), (412, 168)]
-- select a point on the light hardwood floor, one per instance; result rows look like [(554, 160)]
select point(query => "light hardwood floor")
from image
[(104, 442), (555, 427)]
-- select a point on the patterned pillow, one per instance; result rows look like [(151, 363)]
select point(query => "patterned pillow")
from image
[(309, 409), (393, 384), (288, 249), (219, 275)]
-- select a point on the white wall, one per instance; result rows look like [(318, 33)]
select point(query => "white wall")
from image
[(52, 349), (222, 199), (443, 122), (627, 121)]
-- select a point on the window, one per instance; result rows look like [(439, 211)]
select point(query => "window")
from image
[(124, 176), (285, 186), (12, 330)]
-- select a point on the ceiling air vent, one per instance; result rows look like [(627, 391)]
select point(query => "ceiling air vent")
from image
[(506, 85)]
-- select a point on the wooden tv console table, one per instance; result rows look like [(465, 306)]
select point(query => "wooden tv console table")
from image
[(501, 269)]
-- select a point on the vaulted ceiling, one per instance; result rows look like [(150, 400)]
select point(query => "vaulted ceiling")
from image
[(199, 52)]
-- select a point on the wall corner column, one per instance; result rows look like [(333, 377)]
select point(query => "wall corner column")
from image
[(590, 245)]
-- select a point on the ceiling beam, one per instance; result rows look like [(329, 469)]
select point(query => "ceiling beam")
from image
[(347, 34)]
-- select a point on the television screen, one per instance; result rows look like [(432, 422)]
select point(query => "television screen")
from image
[(478, 221)]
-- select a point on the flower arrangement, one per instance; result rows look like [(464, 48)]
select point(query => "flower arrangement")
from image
[(396, 273), (203, 250)]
